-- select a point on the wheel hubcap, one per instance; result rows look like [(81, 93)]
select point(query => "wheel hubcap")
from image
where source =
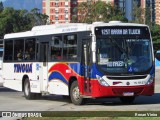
[(27, 89), (76, 94)]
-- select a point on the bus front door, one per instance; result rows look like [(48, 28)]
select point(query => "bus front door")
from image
[(86, 60), (43, 73)]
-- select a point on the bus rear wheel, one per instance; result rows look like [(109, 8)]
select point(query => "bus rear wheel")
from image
[(127, 100), (75, 94), (27, 91)]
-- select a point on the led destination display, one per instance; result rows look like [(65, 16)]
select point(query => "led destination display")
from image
[(120, 30)]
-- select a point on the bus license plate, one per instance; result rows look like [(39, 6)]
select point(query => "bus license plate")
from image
[(128, 93)]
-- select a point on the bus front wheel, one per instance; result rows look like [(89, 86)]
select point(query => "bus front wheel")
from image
[(75, 94), (127, 100)]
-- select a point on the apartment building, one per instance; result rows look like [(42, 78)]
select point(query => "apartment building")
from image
[(149, 6), (157, 11), (61, 11)]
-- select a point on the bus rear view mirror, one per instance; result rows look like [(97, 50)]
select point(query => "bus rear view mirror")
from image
[(158, 55)]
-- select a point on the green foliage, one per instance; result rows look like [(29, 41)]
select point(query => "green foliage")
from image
[(138, 13), (1, 6), (88, 12), (155, 31), (12, 20)]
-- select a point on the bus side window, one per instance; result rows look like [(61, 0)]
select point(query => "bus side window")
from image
[(8, 53), (30, 49), (70, 47), (18, 49), (56, 48)]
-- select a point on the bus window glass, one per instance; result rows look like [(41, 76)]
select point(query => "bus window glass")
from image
[(8, 55), (30, 49), (56, 48), (18, 49), (120, 51), (125, 55), (158, 55), (70, 47), (1, 52)]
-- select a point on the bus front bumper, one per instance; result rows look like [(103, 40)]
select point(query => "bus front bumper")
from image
[(98, 90)]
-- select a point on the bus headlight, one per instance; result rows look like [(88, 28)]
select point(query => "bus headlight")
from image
[(151, 79), (101, 81)]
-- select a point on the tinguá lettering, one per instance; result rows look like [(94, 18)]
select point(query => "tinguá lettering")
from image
[(23, 68)]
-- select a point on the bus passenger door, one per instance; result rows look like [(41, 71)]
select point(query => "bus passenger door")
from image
[(86, 60), (43, 74)]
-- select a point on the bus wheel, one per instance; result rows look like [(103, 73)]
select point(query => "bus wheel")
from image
[(27, 91), (75, 94), (127, 100)]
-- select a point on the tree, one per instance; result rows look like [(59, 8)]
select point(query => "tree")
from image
[(142, 15), (155, 31), (12, 20), (37, 18), (88, 12), (1, 6), (138, 13)]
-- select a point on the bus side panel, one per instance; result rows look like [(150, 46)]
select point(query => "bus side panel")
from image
[(57, 80), (10, 80), (13, 84), (60, 74), (57, 87), (34, 78), (13, 74), (35, 86)]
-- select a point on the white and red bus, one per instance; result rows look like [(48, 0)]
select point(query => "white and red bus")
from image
[(82, 61)]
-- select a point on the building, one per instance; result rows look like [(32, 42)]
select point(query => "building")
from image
[(157, 11), (149, 6), (61, 11)]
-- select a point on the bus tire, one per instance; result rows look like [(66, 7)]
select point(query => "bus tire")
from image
[(75, 94), (37, 95), (27, 91), (127, 100)]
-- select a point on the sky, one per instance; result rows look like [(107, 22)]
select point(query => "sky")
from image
[(2, 0)]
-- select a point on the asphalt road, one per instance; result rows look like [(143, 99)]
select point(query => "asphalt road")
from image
[(14, 101)]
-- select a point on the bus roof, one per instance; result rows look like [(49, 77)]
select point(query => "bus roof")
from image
[(50, 29), (66, 28)]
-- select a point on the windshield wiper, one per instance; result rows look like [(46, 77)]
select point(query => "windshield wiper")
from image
[(122, 50)]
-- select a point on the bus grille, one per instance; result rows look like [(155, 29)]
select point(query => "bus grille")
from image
[(120, 91), (126, 77)]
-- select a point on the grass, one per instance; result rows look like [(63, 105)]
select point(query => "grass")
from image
[(93, 118)]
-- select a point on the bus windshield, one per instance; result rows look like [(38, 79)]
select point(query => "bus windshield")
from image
[(124, 54)]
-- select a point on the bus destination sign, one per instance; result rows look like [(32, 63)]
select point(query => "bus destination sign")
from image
[(121, 31), (114, 31)]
